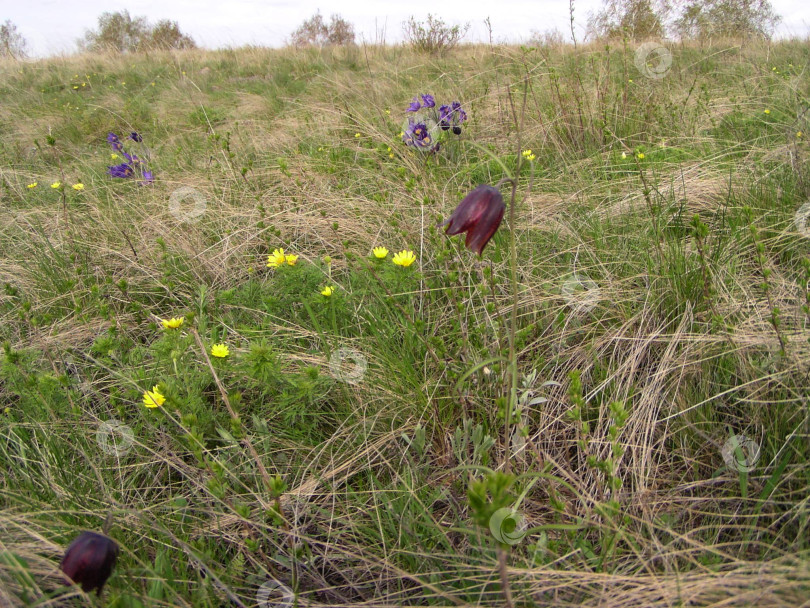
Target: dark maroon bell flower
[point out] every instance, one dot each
(89, 560)
(479, 215)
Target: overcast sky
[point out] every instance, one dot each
(52, 26)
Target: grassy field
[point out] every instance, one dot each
(646, 441)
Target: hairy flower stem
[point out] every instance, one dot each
(507, 591)
(513, 368)
(512, 377)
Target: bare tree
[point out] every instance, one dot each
(125, 34)
(700, 19)
(316, 32)
(166, 35)
(633, 19)
(433, 36)
(116, 32)
(12, 43)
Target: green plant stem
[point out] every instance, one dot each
(507, 592)
(245, 440)
(513, 371)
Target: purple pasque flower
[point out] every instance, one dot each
(452, 116)
(479, 214)
(113, 140)
(133, 166)
(417, 134)
(428, 101)
(415, 105)
(123, 170)
(459, 115)
(445, 116)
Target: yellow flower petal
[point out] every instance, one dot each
(220, 350)
(153, 398)
(78, 187)
(172, 323)
(276, 259)
(34, 185)
(327, 291)
(380, 252)
(404, 258)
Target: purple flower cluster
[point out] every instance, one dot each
(423, 131)
(427, 102)
(451, 117)
(417, 134)
(133, 165)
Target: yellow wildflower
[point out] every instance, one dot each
(114, 156)
(276, 259)
(404, 258)
(380, 252)
(34, 184)
(767, 111)
(78, 187)
(172, 323)
(327, 291)
(220, 350)
(153, 398)
(56, 185)
(291, 259)
(640, 155)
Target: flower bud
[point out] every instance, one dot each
(479, 215)
(89, 560)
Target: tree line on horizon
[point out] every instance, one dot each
(617, 19)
